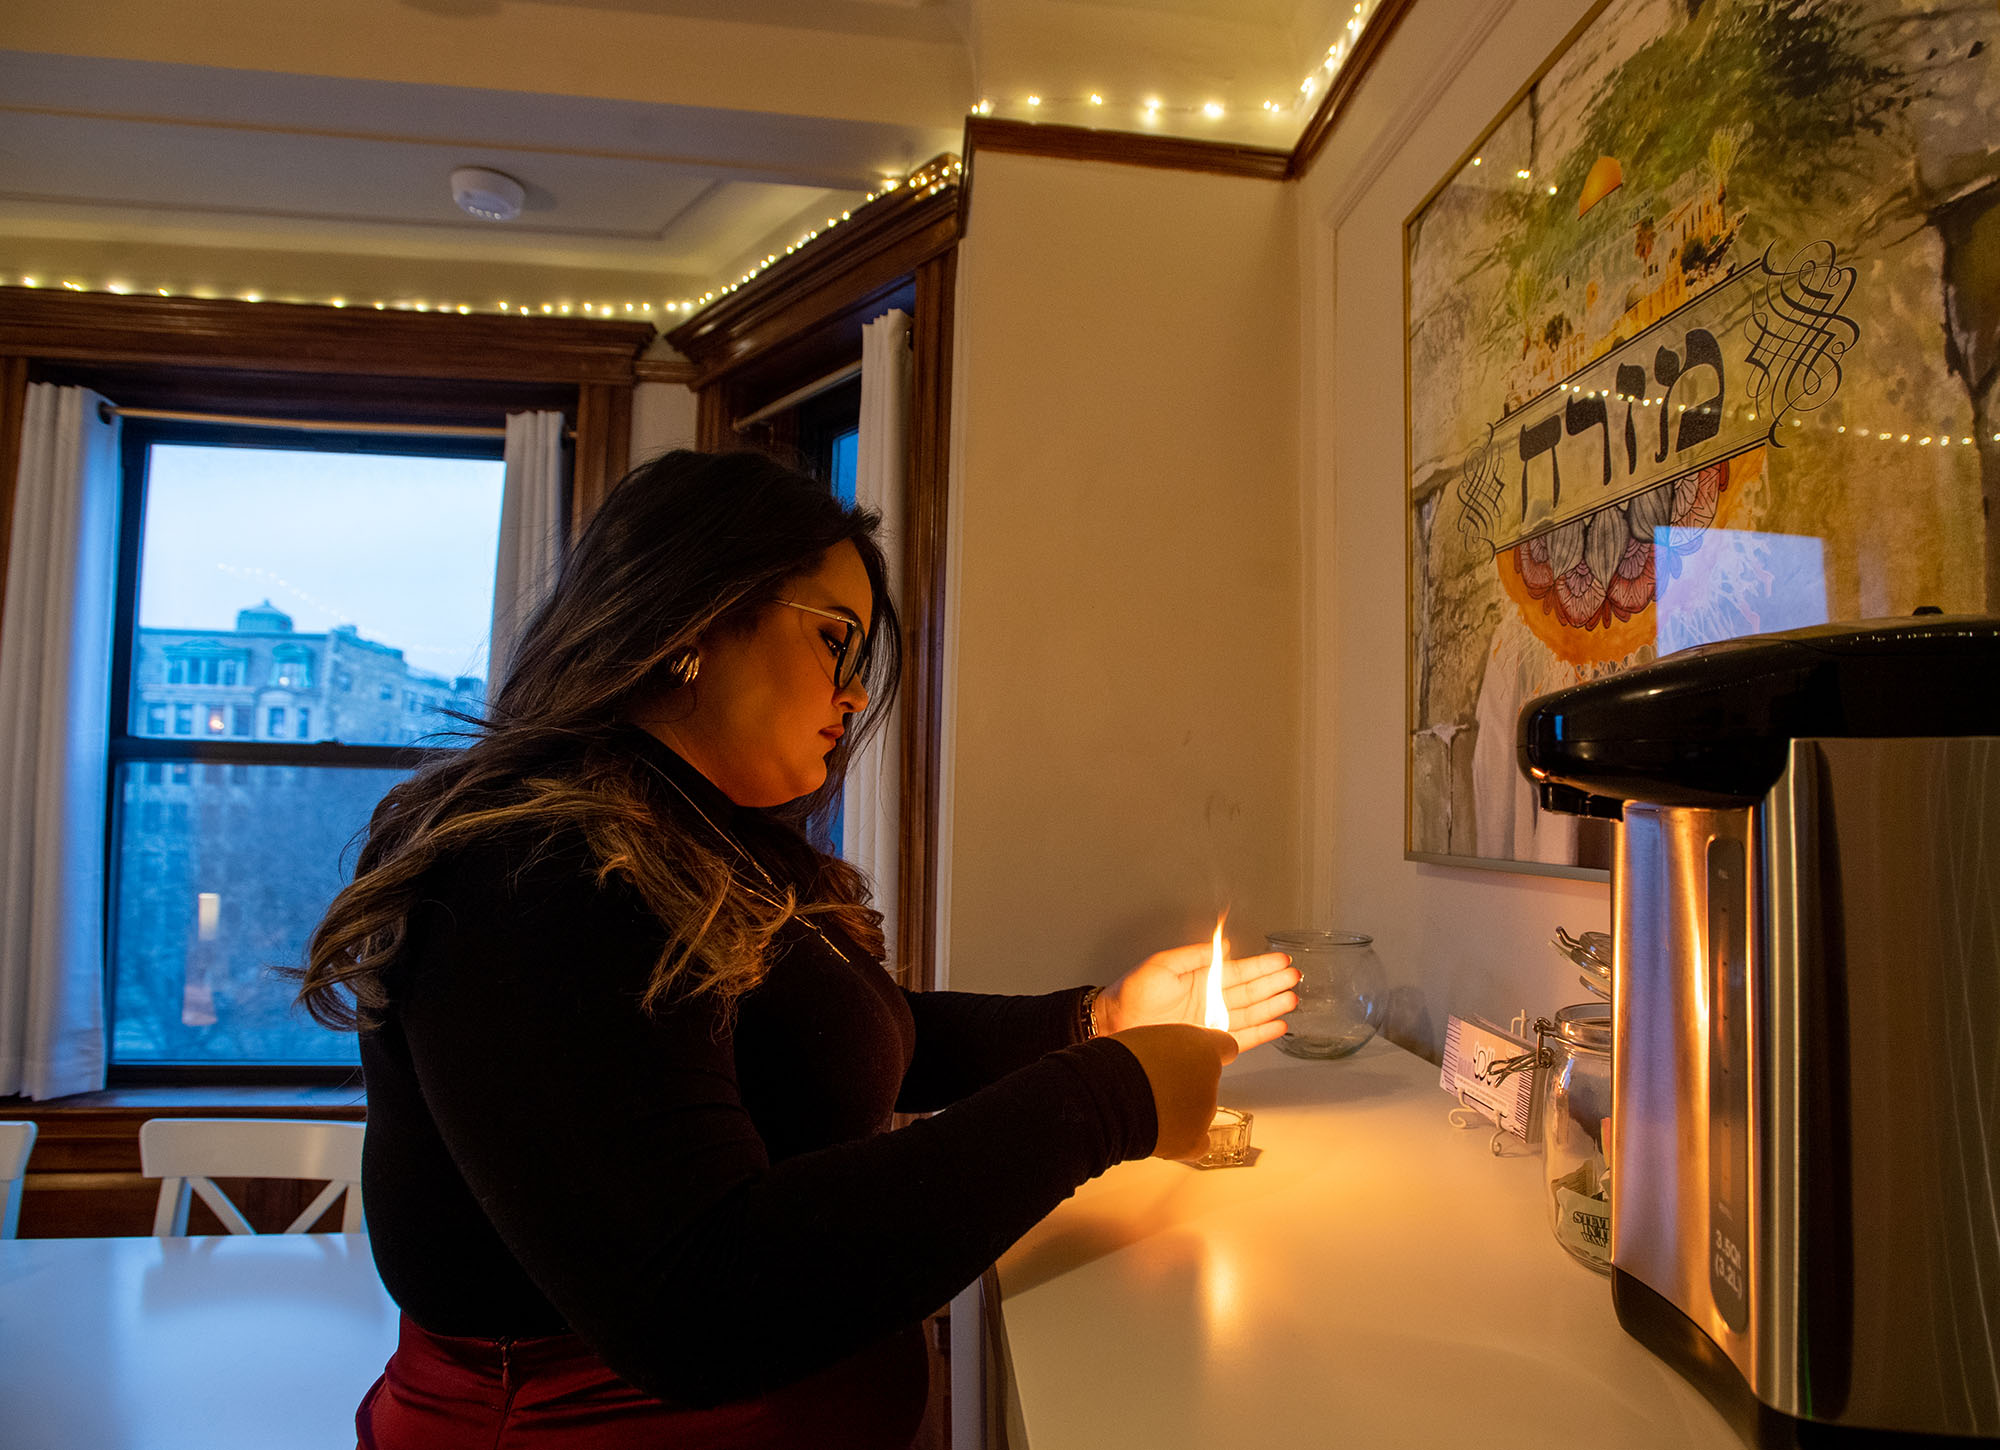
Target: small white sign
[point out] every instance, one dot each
(1472, 1052)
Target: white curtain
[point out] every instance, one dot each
(873, 808)
(530, 532)
(55, 694)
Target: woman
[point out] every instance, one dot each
(629, 1049)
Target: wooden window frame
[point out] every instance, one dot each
(334, 363)
(824, 419)
(802, 319)
(127, 748)
(279, 360)
(84, 1179)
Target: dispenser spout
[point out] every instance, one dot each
(1567, 800)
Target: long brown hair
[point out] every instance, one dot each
(684, 545)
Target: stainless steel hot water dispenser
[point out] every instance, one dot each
(1806, 1016)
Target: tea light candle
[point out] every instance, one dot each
(1228, 1140)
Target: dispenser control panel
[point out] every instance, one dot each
(1728, 1080)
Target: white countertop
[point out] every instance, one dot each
(1376, 1278)
(254, 1343)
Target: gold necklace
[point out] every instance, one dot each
(756, 865)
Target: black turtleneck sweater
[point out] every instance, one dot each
(716, 1208)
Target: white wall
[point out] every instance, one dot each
(1141, 726)
(1124, 749)
(663, 418)
(1453, 939)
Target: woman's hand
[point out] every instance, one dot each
(1172, 986)
(1183, 1065)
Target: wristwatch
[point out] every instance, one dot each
(1087, 1012)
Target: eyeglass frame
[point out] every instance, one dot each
(843, 674)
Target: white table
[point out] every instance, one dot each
(1376, 1279)
(225, 1343)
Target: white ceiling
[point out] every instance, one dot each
(666, 145)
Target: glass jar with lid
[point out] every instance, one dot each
(1576, 1129)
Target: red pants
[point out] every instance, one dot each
(439, 1393)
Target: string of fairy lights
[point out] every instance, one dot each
(1941, 439)
(927, 181)
(1337, 53)
(1151, 109)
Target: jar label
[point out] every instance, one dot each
(1583, 1225)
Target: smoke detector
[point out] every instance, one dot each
(491, 196)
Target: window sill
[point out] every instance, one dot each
(84, 1177)
(182, 1100)
(99, 1132)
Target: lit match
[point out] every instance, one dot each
(1217, 1015)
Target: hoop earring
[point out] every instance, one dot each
(683, 666)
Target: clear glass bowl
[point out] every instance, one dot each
(1342, 992)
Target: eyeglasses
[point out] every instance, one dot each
(850, 653)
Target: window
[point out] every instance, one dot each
(226, 845)
(291, 667)
(192, 658)
(844, 460)
(827, 432)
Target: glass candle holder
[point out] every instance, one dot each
(1228, 1140)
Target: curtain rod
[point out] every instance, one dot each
(107, 411)
(799, 395)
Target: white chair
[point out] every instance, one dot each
(16, 1139)
(187, 1154)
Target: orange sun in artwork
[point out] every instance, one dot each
(1587, 590)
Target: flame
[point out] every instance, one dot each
(1217, 1015)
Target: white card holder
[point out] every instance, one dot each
(1495, 1075)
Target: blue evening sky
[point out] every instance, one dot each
(401, 548)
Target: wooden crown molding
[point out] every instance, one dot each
(1368, 48)
(1081, 143)
(664, 370)
(280, 337)
(1180, 153)
(875, 251)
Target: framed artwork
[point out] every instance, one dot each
(1702, 339)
